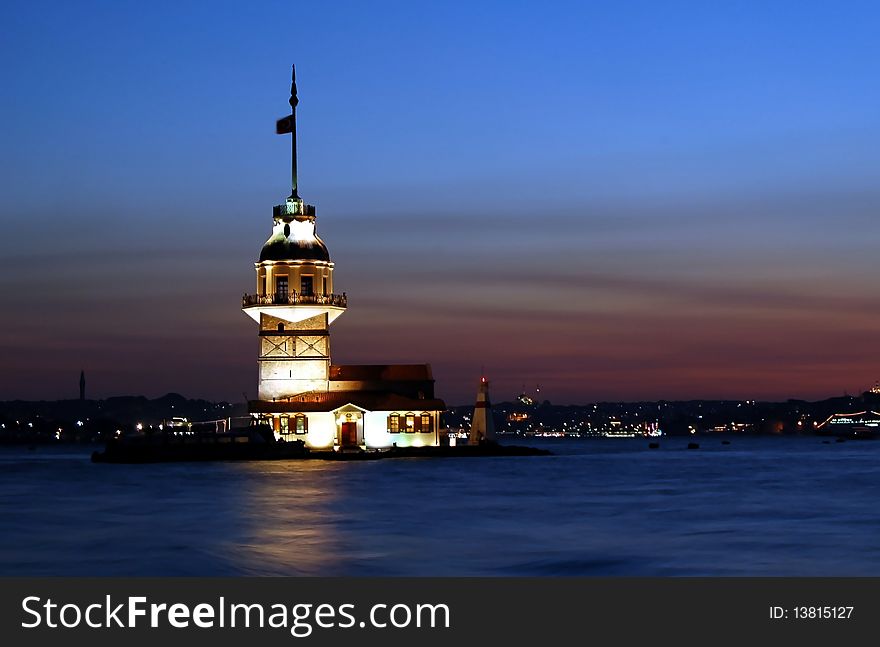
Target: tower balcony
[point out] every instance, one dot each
(294, 299)
(294, 307)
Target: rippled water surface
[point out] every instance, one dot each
(758, 506)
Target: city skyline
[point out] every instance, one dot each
(631, 203)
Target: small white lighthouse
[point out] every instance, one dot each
(482, 425)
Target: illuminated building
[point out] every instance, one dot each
(300, 392)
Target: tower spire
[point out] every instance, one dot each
(287, 125)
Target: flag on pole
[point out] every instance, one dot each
(284, 125)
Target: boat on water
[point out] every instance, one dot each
(861, 424)
(186, 443)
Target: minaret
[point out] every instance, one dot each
(294, 303)
(482, 424)
(82, 385)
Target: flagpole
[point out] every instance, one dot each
(293, 101)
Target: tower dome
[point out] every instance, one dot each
(293, 235)
(294, 276)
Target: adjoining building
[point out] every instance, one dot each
(301, 394)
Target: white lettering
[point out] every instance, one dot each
(345, 614)
(433, 608)
(408, 615)
(77, 615)
(373, 616)
(154, 613)
(300, 629)
(93, 625)
(203, 616)
(24, 606)
(48, 607)
(247, 618)
(134, 611)
(278, 619)
(178, 615)
(325, 611)
(112, 615)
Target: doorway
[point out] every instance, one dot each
(349, 434)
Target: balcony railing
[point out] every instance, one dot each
(294, 299)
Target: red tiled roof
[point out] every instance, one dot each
(389, 372)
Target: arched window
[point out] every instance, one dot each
(410, 422)
(394, 423)
(427, 427)
(281, 327)
(285, 425)
(302, 424)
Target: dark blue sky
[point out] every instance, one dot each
(617, 200)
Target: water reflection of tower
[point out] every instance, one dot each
(286, 519)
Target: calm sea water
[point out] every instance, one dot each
(759, 506)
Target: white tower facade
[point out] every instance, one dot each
(294, 303)
(482, 423)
